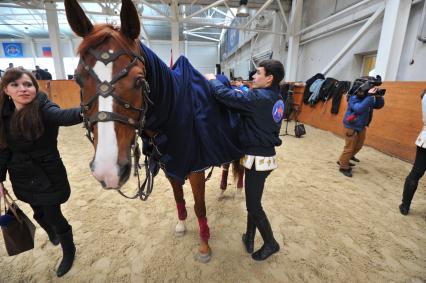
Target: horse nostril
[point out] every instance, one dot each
(124, 170)
(103, 184)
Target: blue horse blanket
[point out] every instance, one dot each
(194, 130)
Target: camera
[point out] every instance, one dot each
(362, 86)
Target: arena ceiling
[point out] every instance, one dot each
(203, 20)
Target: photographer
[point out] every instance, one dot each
(365, 97)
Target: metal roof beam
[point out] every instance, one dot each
(217, 3)
(258, 12)
(155, 9)
(201, 36)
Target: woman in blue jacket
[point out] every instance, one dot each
(357, 117)
(261, 111)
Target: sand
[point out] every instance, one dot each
(331, 228)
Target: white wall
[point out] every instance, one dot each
(30, 60)
(202, 55)
(240, 60)
(413, 49)
(315, 55)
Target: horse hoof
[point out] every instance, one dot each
(221, 195)
(203, 258)
(180, 228)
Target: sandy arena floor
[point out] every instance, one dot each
(331, 228)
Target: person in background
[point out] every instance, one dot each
(261, 111)
(419, 166)
(358, 117)
(29, 153)
(240, 86)
(48, 75)
(10, 66)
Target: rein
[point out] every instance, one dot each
(105, 89)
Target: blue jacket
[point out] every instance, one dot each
(260, 110)
(361, 109)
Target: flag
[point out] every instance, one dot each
(171, 58)
(12, 49)
(47, 51)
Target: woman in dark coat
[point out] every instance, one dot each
(29, 153)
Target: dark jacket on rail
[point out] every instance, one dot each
(35, 168)
(258, 132)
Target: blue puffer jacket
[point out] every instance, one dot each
(361, 110)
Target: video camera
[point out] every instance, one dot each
(362, 86)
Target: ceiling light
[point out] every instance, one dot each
(243, 11)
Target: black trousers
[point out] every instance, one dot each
(254, 184)
(419, 166)
(52, 215)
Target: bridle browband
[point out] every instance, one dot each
(105, 89)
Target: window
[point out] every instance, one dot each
(368, 64)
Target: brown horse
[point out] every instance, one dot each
(111, 74)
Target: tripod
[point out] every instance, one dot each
(294, 109)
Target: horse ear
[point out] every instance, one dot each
(77, 19)
(130, 25)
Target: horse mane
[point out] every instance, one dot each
(103, 32)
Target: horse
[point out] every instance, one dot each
(127, 91)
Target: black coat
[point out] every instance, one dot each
(35, 168)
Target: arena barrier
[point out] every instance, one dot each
(393, 131)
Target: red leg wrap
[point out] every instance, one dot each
(181, 210)
(204, 229)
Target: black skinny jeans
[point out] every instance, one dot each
(254, 184)
(52, 215)
(419, 166)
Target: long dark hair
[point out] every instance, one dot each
(26, 122)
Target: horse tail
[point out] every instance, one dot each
(236, 167)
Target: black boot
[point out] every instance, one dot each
(68, 249)
(248, 237)
(410, 188)
(54, 239)
(270, 245)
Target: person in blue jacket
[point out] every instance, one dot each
(358, 116)
(240, 86)
(261, 110)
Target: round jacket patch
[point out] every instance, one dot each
(278, 111)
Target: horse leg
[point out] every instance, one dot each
(197, 181)
(180, 204)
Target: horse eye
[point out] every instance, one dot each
(139, 82)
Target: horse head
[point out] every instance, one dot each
(111, 75)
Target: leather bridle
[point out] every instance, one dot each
(106, 89)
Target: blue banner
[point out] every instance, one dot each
(231, 43)
(13, 49)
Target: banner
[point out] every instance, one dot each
(47, 51)
(13, 49)
(232, 39)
